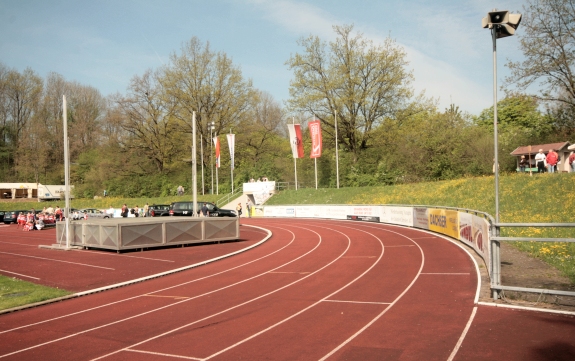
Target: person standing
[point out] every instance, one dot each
(146, 210)
(239, 209)
(205, 210)
(136, 211)
(249, 208)
(572, 162)
(551, 160)
(522, 164)
(540, 161)
(124, 212)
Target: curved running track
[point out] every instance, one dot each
(315, 290)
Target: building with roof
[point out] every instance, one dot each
(529, 151)
(32, 190)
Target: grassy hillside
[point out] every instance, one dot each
(546, 198)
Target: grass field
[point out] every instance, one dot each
(546, 198)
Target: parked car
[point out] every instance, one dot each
(185, 209)
(12, 216)
(91, 213)
(159, 210)
(2, 215)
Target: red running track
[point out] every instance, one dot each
(316, 290)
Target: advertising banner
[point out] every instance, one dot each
(295, 138)
(315, 133)
(397, 215)
(420, 218)
(217, 147)
(231, 144)
(444, 221)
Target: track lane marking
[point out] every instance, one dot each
(463, 334)
(57, 260)
(135, 297)
(390, 305)
(172, 297)
(19, 274)
(120, 255)
(170, 305)
(238, 305)
(360, 302)
(314, 304)
(164, 354)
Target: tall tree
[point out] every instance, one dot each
(363, 82)
(547, 39)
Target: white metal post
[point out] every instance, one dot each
(202, 158)
(66, 174)
(194, 171)
(496, 158)
(336, 151)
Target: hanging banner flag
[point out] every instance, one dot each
(315, 133)
(217, 146)
(231, 142)
(295, 140)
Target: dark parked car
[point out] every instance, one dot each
(12, 216)
(184, 209)
(159, 210)
(2, 215)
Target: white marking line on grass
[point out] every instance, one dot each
(462, 337)
(164, 354)
(360, 302)
(19, 274)
(57, 260)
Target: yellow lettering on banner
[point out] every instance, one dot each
(444, 221)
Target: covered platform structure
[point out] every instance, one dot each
(147, 232)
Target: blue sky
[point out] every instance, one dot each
(105, 43)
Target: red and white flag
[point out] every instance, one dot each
(315, 133)
(217, 146)
(296, 140)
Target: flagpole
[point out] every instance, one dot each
(315, 160)
(194, 171)
(294, 160)
(336, 151)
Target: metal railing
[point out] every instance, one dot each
(228, 197)
(496, 240)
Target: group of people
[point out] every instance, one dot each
(33, 221)
(249, 207)
(136, 211)
(546, 162)
(262, 179)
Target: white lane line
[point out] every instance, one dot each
(462, 337)
(142, 295)
(299, 273)
(387, 308)
(121, 255)
(164, 354)
(170, 305)
(21, 244)
(451, 274)
(19, 274)
(172, 297)
(360, 302)
(57, 260)
(241, 304)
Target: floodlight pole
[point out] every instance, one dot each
(336, 151)
(66, 175)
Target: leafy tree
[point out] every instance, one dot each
(547, 39)
(362, 82)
